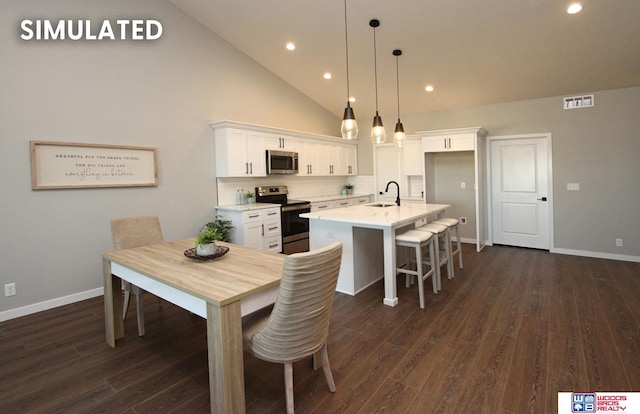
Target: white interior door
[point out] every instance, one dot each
(520, 191)
(388, 167)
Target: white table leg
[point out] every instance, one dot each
(390, 292)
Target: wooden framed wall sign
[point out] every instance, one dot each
(57, 165)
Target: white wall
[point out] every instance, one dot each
(597, 147)
(159, 94)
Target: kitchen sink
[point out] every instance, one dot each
(381, 204)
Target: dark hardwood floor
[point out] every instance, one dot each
(504, 336)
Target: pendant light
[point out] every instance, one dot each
(378, 134)
(399, 136)
(349, 128)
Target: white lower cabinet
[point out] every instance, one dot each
(339, 203)
(259, 228)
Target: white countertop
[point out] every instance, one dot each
(247, 207)
(367, 215)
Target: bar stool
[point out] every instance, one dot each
(442, 248)
(418, 240)
(453, 225)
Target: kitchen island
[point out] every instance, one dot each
(367, 233)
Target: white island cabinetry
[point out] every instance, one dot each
(256, 225)
(367, 234)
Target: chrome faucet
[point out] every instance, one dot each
(386, 190)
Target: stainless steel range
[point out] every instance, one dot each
(295, 229)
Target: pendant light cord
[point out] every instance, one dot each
(346, 48)
(375, 66)
(398, 85)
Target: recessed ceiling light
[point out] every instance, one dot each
(429, 88)
(327, 75)
(291, 46)
(574, 8)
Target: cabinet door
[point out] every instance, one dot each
(413, 157)
(337, 159)
(434, 144)
(280, 142)
(310, 159)
(231, 153)
(239, 153)
(256, 155)
(326, 153)
(352, 160)
(455, 142)
(461, 142)
(253, 234)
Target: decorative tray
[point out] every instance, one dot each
(220, 251)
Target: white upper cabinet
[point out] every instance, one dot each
(352, 160)
(240, 153)
(449, 142)
(280, 142)
(413, 156)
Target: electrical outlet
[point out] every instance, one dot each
(619, 242)
(463, 185)
(463, 220)
(573, 186)
(9, 289)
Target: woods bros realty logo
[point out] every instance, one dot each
(134, 29)
(598, 402)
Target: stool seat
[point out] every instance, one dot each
(442, 253)
(453, 225)
(449, 222)
(417, 241)
(413, 236)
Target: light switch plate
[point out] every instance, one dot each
(573, 186)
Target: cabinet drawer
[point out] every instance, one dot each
(361, 200)
(273, 244)
(272, 228)
(344, 203)
(321, 206)
(260, 215)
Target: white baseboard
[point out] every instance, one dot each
(50, 304)
(597, 255)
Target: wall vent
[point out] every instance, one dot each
(574, 102)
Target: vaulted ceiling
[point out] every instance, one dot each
(474, 52)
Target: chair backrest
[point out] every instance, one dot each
(299, 323)
(129, 232)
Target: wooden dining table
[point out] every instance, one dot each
(221, 290)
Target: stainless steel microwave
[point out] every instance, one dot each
(282, 162)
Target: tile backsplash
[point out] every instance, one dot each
(299, 187)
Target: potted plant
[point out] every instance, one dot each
(205, 242)
(349, 188)
(223, 228)
(249, 197)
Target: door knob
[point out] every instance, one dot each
(542, 199)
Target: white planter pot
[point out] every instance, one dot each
(206, 249)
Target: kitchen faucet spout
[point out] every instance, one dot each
(386, 190)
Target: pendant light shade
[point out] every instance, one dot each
(399, 137)
(378, 134)
(349, 127)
